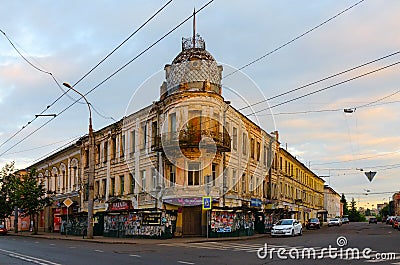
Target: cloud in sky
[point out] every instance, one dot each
(68, 38)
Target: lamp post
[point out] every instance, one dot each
(91, 166)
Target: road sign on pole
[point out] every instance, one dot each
(370, 175)
(206, 203)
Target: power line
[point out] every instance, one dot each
(294, 39)
(322, 79)
(84, 76)
(110, 76)
(370, 104)
(325, 88)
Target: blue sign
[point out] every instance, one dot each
(255, 202)
(207, 202)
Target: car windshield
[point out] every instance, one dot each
(313, 220)
(334, 219)
(1, 226)
(285, 222)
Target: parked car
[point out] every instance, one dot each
(3, 230)
(373, 220)
(390, 220)
(287, 227)
(313, 223)
(395, 223)
(335, 222)
(345, 220)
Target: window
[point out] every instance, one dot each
(172, 122)
(121, 185)
(244, 143)
(172, 176)
(114, 147)
(143, 178)
(213, 173)
(251, 188)
(96, 188)
(87, 158)
(234, 179)
(265, 156)
(112, 184)
(154, 178)
(97, 153)
(133, 142)
(193, 174)
(105, 155)
(252, 143)
(244, 183)
(280, 163)
(154, 132)
(103, 187)
(143, 136)
(234, 138)
(122, 146)
(258, 151)
(132, 183)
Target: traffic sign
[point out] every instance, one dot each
(206, 202)
(68, 202)
(370, 175)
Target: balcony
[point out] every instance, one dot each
(192, 139)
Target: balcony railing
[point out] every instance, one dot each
(192, 139)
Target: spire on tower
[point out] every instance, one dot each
(194, 28)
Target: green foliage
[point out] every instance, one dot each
(345, 206)
(7, 186)
(31, 194)
(354, 214)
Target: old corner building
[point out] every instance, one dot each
(153, 167)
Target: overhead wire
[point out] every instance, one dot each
(109, 77)
(322, 79)
(84, 76)
(294, 39)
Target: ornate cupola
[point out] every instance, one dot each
(194, 69)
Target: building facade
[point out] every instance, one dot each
(153, 168)
(332, 202)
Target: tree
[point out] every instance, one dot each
(7, 185)
(354, 214)
(31, 197)
(344, 202)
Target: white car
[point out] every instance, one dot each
(287, 227)
(335, 221)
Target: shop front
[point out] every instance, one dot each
(122, 221)
(232, 222)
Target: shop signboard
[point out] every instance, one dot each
(151, 219)
(188, 201)
(120, 206)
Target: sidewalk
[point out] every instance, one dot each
(111, 240)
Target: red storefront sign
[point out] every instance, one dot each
(120, 206)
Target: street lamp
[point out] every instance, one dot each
(91, 166)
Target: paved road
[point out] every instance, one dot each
(372, 238)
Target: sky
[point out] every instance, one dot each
(68, 38)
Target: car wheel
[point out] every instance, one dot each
(293, 232)
(301, 232)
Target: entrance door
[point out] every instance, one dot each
(191, 221)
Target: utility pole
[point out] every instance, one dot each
(91, 166)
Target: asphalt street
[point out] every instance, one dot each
(375, 243)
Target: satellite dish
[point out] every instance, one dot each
(370, 175)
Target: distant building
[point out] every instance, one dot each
(396, 204)
(332, 202)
